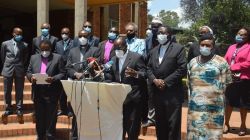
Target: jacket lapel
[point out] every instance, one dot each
(38, 64)
(168, 50)
(49, 62)
(126, 62)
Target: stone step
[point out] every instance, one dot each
(27, 87)
(1, 79)
(26, 95)
(28, 129)
(27, 117)
(30, 137)
(27, 105)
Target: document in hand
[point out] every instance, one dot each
(40, 78)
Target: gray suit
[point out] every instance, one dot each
(13, 59)
(37, 40)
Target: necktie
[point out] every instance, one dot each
(15, 48)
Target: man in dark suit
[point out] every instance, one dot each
(166, 67)
(14, 56)
(46, 95)
(106, 47)
(93, 41)
(45, 34)
(129, 68)
(80, 54)
(63, 47)
(194, 49)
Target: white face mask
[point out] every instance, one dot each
(162, 38)
(119, 53)
(205, 51)
(83, 41)
(45, 53)
(65, 37)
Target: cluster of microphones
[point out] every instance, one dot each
(92, 63)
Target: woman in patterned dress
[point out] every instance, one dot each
(208, 75)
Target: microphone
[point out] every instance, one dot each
(106, 67)
(91, 61)
(77, 63)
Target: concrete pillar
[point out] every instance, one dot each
(80, 14)
(42, 14)
(136, 16)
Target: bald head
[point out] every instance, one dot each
(45, 26)
(18, 31)
(120, 44)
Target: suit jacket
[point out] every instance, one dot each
(11, 62)
(55, 69)
(59, 49)
(37, 40)
(172, 69)
(102, 51)
(93, 41)
(75, 56)
(134, 61)
(194, 50)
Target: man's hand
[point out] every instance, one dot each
(49, 80)
(78, 75)
(129, 72)
(159, 83)
(33, 79)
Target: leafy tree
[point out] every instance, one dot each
(169, 18)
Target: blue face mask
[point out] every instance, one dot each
(205, 51)
(238, 39)
(18, 38)
(88, 29)
(112, 36)
(45, 32)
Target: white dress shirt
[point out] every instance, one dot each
(162, 52)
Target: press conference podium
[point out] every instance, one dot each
(86, 97)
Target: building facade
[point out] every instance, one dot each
(30, 14)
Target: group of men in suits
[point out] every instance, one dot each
(163, 65)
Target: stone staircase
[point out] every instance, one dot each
(15, 131)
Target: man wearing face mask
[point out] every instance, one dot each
(129, 68)
(80, 54)
(194, 49)
(93, 41)
(45, 35)
(14, 57)
(135, 44)
(151, 40)
(63, 47)
(107, 49)
(46, 95)
(166, 68)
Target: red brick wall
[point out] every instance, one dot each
(96, 23)
(142, 19)
(125, 16)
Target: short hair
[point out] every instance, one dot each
(132, 24)
(248, 32)
(209, 29)
(46, 42)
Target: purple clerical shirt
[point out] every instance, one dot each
(108, 48)
(44, 65)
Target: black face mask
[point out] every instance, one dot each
(154, 31)
(130, 36)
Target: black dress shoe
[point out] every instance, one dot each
(5, 116)
(20, 117)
